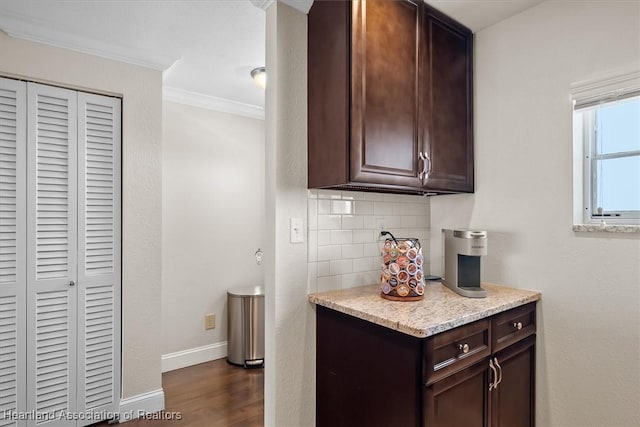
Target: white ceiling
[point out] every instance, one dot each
(206, 47)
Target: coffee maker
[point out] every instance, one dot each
(462, 252)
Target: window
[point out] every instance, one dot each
(607, 143)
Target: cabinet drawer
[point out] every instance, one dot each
(456, 349)
(512, 326)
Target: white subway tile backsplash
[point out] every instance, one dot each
(329, 194)
(362, 207)
(352, 195)
(393, 221)
(376, 197)
(340, 266)
(423, 221)
(342, 207)
(324, 237)
(323, 268)
(312, 277)
(408, 221)
(331, 252)
(329, 222)
(343, 227)
(382, 208)
(363, 264)
(364, 236)
(340, 237)
(312, 214)
(352, 222)
(329, 283)
(352, 280)
(312, 245)
(324, 206)
(371, 249)
(352, 251)
(371, 277)
(372, 221)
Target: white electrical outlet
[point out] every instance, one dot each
(380, 226)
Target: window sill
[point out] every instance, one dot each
(597, 228)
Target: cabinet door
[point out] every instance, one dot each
(459, 400)
(98, 254)
(51, 250)
(448, 104)
(13, 176)
(385, 93)
(512, 401)
(366, 374)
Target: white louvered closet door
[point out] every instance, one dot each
(98, 253)
(51, 251)
(13, 151)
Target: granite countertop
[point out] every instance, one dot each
(440, 310)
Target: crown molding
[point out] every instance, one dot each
(208, 102)
(262, 4)
(302, 5)
(22, 27)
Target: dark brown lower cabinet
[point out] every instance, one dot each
(459, 400)
(512, 402)
(369, 375)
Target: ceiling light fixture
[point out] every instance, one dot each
(259, 76)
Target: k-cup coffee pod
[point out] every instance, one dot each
(386, 288)
(420, 289)
(403, 276)
(411, 269)
(403, 261)
(394, 268)
(403, 290)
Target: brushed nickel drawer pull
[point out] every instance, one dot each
(464, 348)
(517, 325)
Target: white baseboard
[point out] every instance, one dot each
(136, 406)
(194, 356)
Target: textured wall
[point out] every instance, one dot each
(290, 319)
(141, 89)
(212, 218)
(588, 350)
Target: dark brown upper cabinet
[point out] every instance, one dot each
(390, 98)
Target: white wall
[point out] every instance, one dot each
(141, 91)
(588, 371)
(290, 319)
(212, 219)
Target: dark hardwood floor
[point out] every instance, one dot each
(212, 394)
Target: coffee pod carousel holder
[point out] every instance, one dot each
(402, 278)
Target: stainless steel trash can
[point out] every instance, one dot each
(245, 339)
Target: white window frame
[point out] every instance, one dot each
(586, 97)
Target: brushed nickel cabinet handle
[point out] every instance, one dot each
(495, 361)
(423, 173)
(492, 383)
(428, 159)
(464, 348)
(517, 325)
